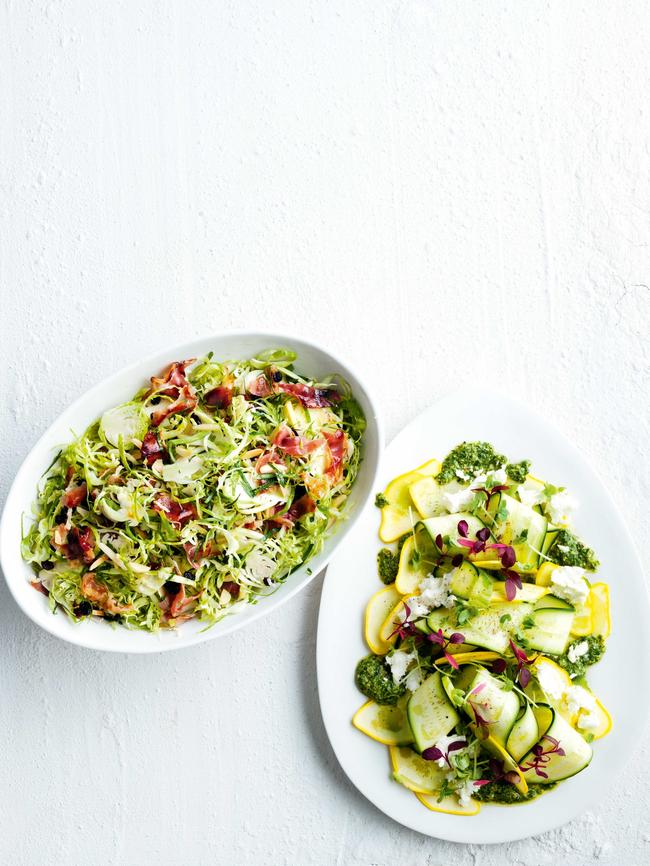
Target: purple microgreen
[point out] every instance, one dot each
(439, 541)
(542, 756)
(432, 754)
(457, 560)
(437, 637)
(457, 637)
(463, 528)
(483, 534)
(477, 689)
(524, 677)
(499, 666)
(478, 783)
(452, 661)
(513, 583)
(456, 745)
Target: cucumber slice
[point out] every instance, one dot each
(549, 601)
(524, 733)
(556, 767)
(544, 715)
(485, 629)
(551, 631)
(497, 706)
(463, 579)
(386, 724)
(523, 528)
(426, 495)
(430, 713)
(446, 526)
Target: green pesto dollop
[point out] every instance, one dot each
(387, 565)
(517, 472)
(375, 681)
(594, 654)
(388, 562)
(569, 550)
(470, 459)
(502, 792)
(380, 500)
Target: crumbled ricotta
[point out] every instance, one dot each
(530, 493)
(568, 582)
(398, 662)
(465, 791)
(577, 698)
(434, 592)
(577, 651)
(551, 681)
(413, 679)
(561, 507)
(456, 498)
(499, 476)
(443, 744)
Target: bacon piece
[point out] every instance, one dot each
(176, 512)
(173, 384)
(232, 587)
(299, 507)
(151, 449)
(260, 386)
(312, 398)
(173, 381)
(178, 602)
(220, 397)
(75, 543)
(269, 457)
(185, 402)
(337, 444)
(75, 496)
(99, 595)
(296, 446)
(195, 553)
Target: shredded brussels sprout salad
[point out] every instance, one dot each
(197, 497)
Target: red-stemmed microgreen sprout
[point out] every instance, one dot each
(542, 756)
(454, 639)
(433, 753)
(513, 583)
(523, 662)
(482, 724)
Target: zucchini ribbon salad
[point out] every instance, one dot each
(198, 496)
(482, 637)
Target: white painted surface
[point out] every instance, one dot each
(448, 194)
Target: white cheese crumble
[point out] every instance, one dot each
(413, 679)
(577, 651)
(568, 582)
(576, 698)
(561, 507)
(443, 744)
(530, 493)
(499, 476)
(433, 592)
(398, 663)
(465, 791)
(551, 681)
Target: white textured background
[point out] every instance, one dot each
(452, 194)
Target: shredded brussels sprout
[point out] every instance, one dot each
(198, 496)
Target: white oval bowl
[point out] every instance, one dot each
(313, 361)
